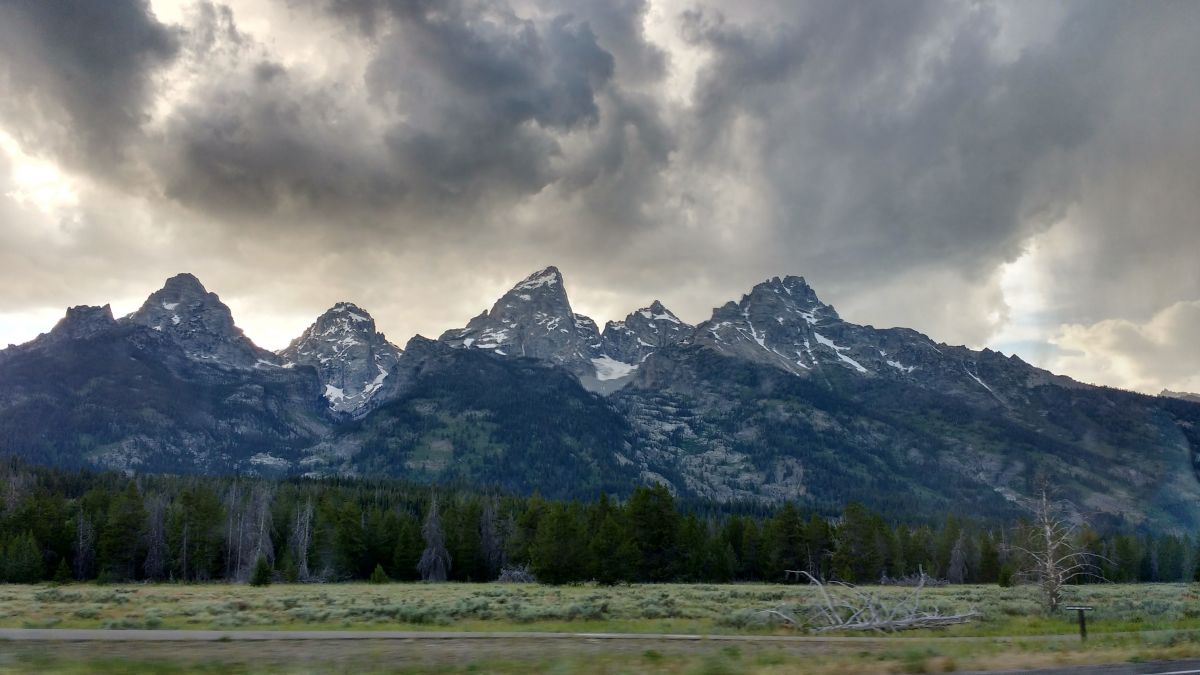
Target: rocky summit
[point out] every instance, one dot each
(200, 323)
(627, 343)
(534, 319)
(352, 359)
(773, 398)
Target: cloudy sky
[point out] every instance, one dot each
(1022, 175)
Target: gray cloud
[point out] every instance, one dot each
(77, 75)
(897, 154)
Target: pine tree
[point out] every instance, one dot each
(121, 540)
(23, 560)
(612, 554)
(350, 545)
(262, 572)
(786, 540)
(555, 555)
(408, 549)
(989, 559)
(654, 527)
(378, 576)
(62, 573)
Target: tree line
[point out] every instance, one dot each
(63, 525)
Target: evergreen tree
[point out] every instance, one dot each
(613, 555)
(654, 528)
(23, 560)
(62, 573)
(409, 547)
(989, 559)
(194, 533)
(858, 557)
(378, 576)
(556, 555)
(350, 544)
(785, 534)
(262, 572)
(121, 540)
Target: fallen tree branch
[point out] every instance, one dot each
(854, 609)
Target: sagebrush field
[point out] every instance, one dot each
(669, 608)
(1131, 622)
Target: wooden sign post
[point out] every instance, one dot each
(1082, 620)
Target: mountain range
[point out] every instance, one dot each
(775, 397)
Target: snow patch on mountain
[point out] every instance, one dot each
(608, 368)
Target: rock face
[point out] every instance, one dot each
(626, 344)
(84, 321)
(352, 359)
(200, 323)
(774, 398)
(534, 319)
(148, 398)
(782, 323)
(1181, 395)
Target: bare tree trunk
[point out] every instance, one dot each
(263, 548)
(1055, 559)
(491, 539)
(301, 538)
(435, 560)
(156, 537)
(183, 552)
(85, 546)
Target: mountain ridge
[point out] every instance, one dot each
(775, 397)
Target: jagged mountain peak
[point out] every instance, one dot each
(656, 312)
(548, 277)
(352, 359)
(203, 325)
(83, 321)
(629, 342)
(790, 290)
(347, 317)
(184, 283)
(534, 319)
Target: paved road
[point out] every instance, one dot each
(1189, 667)
(467, 645)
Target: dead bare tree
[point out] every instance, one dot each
(155, 566)
(1054, 558)
(301, 538)
(435, 560)
(491, 538)
(85, 546)
(260, 534)
(849, 608)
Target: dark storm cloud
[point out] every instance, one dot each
(483, 92)
(889, 131)
(896, 153)
(80, 73)
(257, 138)
(462, 105)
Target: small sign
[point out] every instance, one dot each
(1082, 621)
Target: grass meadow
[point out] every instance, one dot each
(1131, 622)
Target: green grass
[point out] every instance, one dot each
(669, 608)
